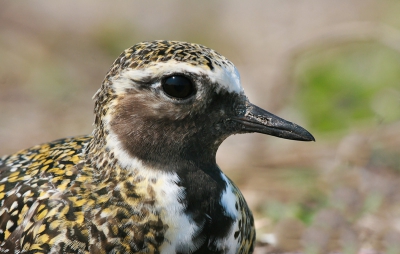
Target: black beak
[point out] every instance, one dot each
(259, 120)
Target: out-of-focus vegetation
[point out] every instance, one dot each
(358, 84)
(330, 66)
(352, 93)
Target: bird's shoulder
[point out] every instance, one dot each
(53, 201)
(32, 191)
(46, 160)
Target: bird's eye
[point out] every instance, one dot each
(178, 86)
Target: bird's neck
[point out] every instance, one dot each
(200, 191)
(107, 154)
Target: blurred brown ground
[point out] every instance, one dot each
(338, 194)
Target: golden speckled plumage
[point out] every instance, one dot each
(146, 180)
(48, 188)
(61, 204)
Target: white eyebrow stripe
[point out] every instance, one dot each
(226, 77)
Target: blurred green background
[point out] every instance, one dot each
(330, 66)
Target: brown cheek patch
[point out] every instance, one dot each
(139, 119)
(143, 105)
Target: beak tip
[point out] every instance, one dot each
(307, 137)
(304, 134)
(310, 137)
(258, 120)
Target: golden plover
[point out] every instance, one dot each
(146, 180)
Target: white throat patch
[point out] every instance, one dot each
(167, 193)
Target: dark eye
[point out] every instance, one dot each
(178, 86)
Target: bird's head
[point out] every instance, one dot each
(165, 101)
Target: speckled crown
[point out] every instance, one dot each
(144, 54)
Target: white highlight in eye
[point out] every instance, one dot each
(227, 77)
